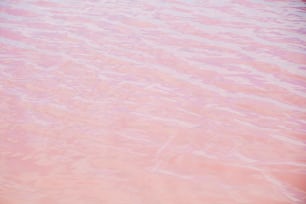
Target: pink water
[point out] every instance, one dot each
(152, 102)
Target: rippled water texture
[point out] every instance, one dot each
(152, 102)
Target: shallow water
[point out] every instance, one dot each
(169, 102)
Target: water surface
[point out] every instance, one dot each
(169, 102)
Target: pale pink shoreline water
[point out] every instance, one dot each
(145, 102)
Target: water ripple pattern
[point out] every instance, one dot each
(146, 102)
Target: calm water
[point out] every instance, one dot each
(152, 102)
